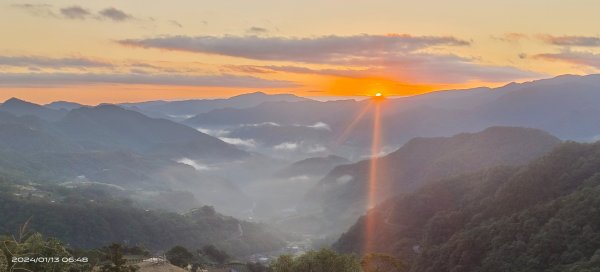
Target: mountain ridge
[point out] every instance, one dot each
(342, 193)
(536, 217)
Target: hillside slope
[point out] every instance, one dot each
(112, 127)
(538, 217)
(341, 196)
(88, 223)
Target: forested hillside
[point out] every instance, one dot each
(539, 217)
(341, 195)
(92, 220)
(98, 175)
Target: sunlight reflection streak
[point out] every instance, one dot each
(352, 124)
(373, 178)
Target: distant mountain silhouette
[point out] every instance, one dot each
(64, 105)
(194, 107)
(565, 106)
(303, 112)
(20, 107)
(112, 127)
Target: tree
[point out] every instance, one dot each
(34, 245)
(256, 267)
(324, 260)
(117, 263)
(3, 262)
(284, 263)
(376, 262)
(179, 256)
(214, 253)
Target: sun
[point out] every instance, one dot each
(378, 97)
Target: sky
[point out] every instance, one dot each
(138, 50)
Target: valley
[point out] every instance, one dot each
(261, 176)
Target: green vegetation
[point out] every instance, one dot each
(116, 262)
(179, 256)
(257, 267)
(539, 217)
(377, 262)
(30, 251)
(112, 258)
(85, 224)
(208, 255)
(341, 197)
(90, 188)
(214, 254)
(3, 262)
(324, 260)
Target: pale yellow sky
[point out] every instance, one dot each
(100, 51)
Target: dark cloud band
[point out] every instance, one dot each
(579, 58)
(65, 79)
(75, 12)
(583, 41)
(323, 49)
(115, 14)
(45, 62)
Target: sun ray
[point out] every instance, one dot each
(373, 178)
(344, 135)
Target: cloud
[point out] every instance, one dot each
(316, 149)
(344, 179)
(175, 23)
(65, 79)
(583, 41)
(450, 69)
(263, 124)
(222, 135)
(115, 14)
(75, 12)
(323, 49)
(580, 58)
(78, 13)
(299, 178)
(398, 57)
(38, 61)
(287, 146)
(248, 69)
(512, 37)
(320, 125)
(416, 67)
(195, 164)
(257, 30)
(305, 70)
(301, 147)
(41, 10)
(213, 132)
(248, 143)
